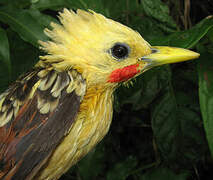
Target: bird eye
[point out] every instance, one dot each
(120, 51)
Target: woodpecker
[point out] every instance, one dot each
(54, 114)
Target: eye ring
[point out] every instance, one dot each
(120, 51)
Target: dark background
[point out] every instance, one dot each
(161, 124)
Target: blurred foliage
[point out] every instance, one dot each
(162, 126)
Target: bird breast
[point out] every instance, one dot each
(91, 125)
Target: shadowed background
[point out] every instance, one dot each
(163, 124)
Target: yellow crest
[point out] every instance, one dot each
(83, 40)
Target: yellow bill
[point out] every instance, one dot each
(166, 55)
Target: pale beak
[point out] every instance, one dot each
(166, 55)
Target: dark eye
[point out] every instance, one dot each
(120, 51)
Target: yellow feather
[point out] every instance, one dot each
(83, 40)
(90, 127)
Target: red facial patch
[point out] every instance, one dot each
(123, 74)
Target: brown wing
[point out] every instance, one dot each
(35, 114)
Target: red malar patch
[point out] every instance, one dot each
(123, 74)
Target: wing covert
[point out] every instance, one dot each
(36, 112)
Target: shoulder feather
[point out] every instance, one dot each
(36, 112)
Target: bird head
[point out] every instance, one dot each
(104, 51)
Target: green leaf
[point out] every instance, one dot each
(96, 5)
(147, 27)
(141, 93)
(148, 90)
(177, 129)
(18, 4)
(93, 164)
(188, 38)
(124, 9)
(5, 64)
(23, 55)
(162, 173)
(44, 20)
(159, 11)
(24, 24)
(122, 170)
(50, 4)
(4, 50)
(4, 77)
(205, 68)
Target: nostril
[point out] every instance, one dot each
(154, 50)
